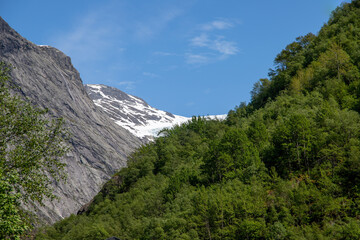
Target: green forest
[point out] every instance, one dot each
(284, 166)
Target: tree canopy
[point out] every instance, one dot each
(31, 146)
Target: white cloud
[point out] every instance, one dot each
(200, 41)
(216, 46)
(159, 53)
(108, 29)
(196, 59)
(129, 85)
(217, 25)
(151, 75)
(219, 44)
(225, 47)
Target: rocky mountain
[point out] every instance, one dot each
(133, 113)
(99, 147)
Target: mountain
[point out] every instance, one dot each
(133, 113)
(99, 147)
(284, 166)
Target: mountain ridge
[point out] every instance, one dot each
(99, 147)
(134, 113)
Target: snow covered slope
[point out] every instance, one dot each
(133, 113)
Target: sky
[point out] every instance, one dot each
(187, 57)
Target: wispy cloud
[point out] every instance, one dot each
(149, 27)
(151, 75)
(109, 30)
(200, 41)
(219, 44)
(217, 25)
(225, 47)
(128, 85)
(196, 59)
(216, 47)
(88, 40)
(159, 53)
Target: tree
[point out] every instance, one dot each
(293, 141)
(232, 156)
(10, 220)
(31, 146)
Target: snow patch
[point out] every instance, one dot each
(135, 115)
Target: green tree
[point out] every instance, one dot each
(233, 156)
(31, 147)
(293, 144)
(10, 220)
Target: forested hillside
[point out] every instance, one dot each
(284, 166)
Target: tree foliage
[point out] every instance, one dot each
(31, 146)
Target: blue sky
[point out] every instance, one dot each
(188, 57)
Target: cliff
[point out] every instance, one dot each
(99, 147)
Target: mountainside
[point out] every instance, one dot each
(98, 146)
(133, 113)
(284, 166)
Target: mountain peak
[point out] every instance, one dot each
(11, 40)
(4, 26)
(98, 147)
(133, 113)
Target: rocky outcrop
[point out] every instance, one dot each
(132, 113)
(99, 147)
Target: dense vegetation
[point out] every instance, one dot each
(285, 166)
(31, 145)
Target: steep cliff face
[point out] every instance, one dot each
(98, 146)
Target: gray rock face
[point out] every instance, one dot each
(99, 147)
